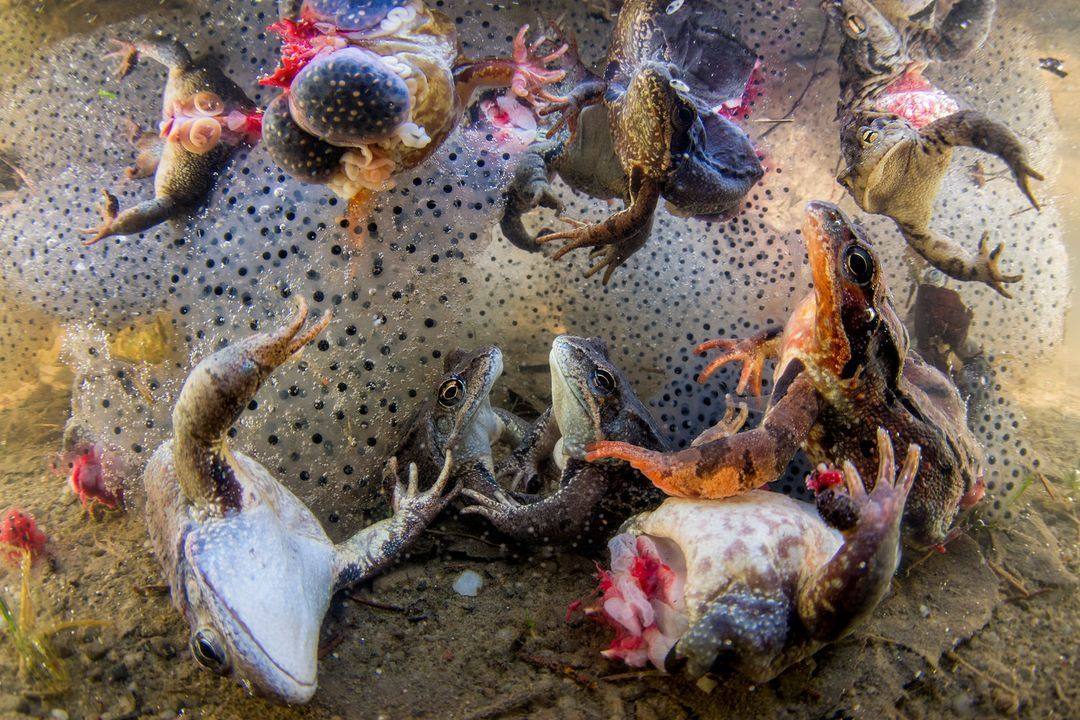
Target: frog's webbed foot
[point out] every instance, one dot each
(752, 351)
(108, 208)
(570, 107)
(962, 31)
(532, 68)
(493, 507)
(127, 56)
(854, 580)
(414, 506)
(735, 416)
(951, 259)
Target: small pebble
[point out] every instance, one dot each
(58, 714)
(468, 583)
(924, 611)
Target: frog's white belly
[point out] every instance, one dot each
(762, 539)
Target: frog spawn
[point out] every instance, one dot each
(433, 276)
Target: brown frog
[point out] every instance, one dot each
(591, 400)
(206, 117)
(898, 131)
(668, 67)
(843, 369)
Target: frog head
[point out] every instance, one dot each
(855, 324)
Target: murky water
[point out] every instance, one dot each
(97, 341)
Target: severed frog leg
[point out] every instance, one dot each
(731, 465)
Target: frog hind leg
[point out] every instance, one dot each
(730, 465)
(744, 629)
(619, 236)
(975, 129)
(949, 257)
(529, 189)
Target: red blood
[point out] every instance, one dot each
(751, 92)
(19, 531)
(823, 479)
(297, 50)
(88, 480)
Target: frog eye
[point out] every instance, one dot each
(206, 647)
(868, 136)
(687, 114)
(451, 392)
(855, 25)
(604, 381)
(859, 264)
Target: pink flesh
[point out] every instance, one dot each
(739, 108)
(88, 480)
(641, 598)
(913, 98)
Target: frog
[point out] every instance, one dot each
(592, 399)
(248, 564)
(457, 415)
(844, 367)
(206, 118)
(898, 132)
(404, 59)
(646, 129)
(754, 583)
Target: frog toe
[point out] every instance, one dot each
(349, 97)
(296, 151)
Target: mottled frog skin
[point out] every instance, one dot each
(755, 583)
(665, 73)
(373, 87)
(458, 416)
(248, 564)
(592, 400)
(843, 369)
(205, 118)
(898, 131)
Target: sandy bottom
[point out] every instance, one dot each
(988, 628)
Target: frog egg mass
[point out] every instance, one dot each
(421, 320)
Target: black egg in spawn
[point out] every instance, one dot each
(349, 97)
(297, 152)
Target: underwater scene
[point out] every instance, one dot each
(634, 359)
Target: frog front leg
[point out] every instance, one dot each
(520, 471)
(371, 550)
(752, 351)
(731, 465)
(561, 517)
(618, 237)
(851, 584)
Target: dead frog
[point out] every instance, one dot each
(248, 564)
(205, 118)
(755, 583)
(644, 130)
(898, 131)
(458, 416)
(843, 369)
(591, 400)
(403, 59)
